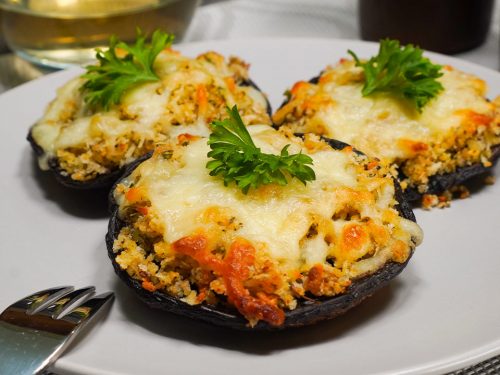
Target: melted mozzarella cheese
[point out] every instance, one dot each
(272, 217)
(383, 126)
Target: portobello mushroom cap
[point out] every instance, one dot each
(307, 312)
(440, 182)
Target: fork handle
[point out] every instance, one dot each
(25, 352)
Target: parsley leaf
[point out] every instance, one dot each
(108, 81)
(236, 158)
(402, 71)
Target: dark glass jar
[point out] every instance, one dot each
(3, 46)
(446, 26)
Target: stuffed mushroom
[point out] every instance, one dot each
(434, 123)
(104, 120)
(283, 254)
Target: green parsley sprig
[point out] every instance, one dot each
(402, 71)
(237, 159)
(113, 76)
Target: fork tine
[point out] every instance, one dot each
(62, 305)
(37, 301)
(31, 342)
(88, 309)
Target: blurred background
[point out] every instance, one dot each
(48, 34)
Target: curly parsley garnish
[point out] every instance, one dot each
(236, 158)
(108, 81)
(402, 71)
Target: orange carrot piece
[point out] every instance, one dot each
(142, 210)
(133, 194)
(231, 85)
(148, 285)
(202, 99)
(298, 87)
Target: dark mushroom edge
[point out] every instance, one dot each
(307, 312)
(438, 183)
(103, 181)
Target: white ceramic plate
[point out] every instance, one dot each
(441, 314)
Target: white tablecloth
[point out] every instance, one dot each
(233, 19)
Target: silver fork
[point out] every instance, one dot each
(35, 330)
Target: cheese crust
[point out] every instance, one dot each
(189, 95)
(458, 128)
(188, 235)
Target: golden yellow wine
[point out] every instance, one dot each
(64, 32)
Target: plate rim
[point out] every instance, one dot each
(266, 40)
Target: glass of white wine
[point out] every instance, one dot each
(60, 33)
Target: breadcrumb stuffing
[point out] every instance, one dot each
(443, 200)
